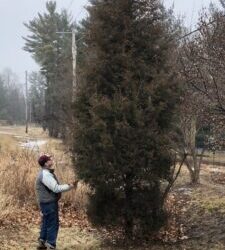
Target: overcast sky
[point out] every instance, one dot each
(14, 13)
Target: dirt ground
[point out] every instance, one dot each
(69, 238)
(201, 212)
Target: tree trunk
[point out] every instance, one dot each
(128, 218)
(195, 164)
(195, 177)
(128, 226)
(194, 170)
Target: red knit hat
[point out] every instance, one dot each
(43, 159)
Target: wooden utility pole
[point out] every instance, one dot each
(26, 102)
(30, 107)
(8, 79)
(74, 54)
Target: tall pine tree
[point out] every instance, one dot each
(53, 53)
(124, 111)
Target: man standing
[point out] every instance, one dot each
(48, 191)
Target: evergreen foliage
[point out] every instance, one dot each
(124, 111)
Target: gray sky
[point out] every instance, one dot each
(14, 13)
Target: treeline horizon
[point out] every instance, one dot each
(12, 98)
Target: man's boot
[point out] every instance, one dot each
(41, 245)
(49, 246)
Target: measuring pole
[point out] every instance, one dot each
(26, 102)
(74, 55)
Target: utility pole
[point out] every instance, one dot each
(74, 60)
(26, 102)
(74, 54)
(30, 107)
(8, 79)
(74, 65)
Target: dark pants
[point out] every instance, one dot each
(50, 222)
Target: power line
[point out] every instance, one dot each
(198, 29)
(180, 38)
(79, 13)
(70, 4)
(192, 15)
(193, 31)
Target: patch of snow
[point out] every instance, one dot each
(33, 144)
(6, 133)
(19, 136)
(217, 170)
(185, 190)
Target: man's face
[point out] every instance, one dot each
(49, 163)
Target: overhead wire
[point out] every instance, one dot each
(80, 12)
(70, 5)
(192, 15)
(198, 29)
(179, 38)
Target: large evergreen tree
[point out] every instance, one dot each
(124, 109)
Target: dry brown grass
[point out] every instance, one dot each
(18, 171)
(33, 131)
(7, 143)
(19, 168)
(17, 175)
(7, 206)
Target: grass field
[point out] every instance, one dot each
(18, 170)
(19, 164)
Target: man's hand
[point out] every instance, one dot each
(74, 184)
